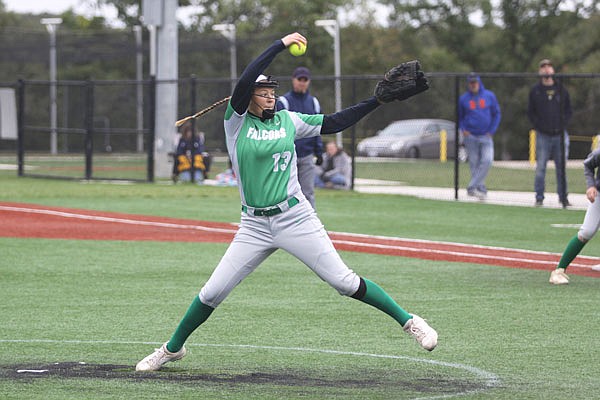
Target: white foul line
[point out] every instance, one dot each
(117, 220)
(454, 253)
(356, 235)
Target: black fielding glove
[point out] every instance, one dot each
(401, 82)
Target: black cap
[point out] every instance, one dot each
(265, 81)
(301, 72)
(473, 77)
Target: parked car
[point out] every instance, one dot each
(411, 138)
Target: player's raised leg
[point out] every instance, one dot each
(309, 242)
(371, 293)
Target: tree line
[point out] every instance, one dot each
(449, 36)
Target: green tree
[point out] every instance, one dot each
(450, 22)
(128, 11)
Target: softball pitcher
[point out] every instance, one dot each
(275, 213)
(591, 221)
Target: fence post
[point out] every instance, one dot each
(353, 142)
(563, 146)
(152, 125)
(456, 137)
(20, 126)
(532, 147)
(192, 112)
(89, 129)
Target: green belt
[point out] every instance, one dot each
(270, 211)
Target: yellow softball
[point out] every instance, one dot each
(297, 50)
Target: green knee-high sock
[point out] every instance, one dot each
(196, 314)
(378, 298)
(572, 250)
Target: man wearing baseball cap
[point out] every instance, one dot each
(478, 119)
(300, 100)
(549, 111)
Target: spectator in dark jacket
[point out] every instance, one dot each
(189, 157)
(549, 111)
(300, 100)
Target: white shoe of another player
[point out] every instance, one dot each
(422, 332)
(558, 277)
(160, 357)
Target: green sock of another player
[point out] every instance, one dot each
(572, 250)
(378, 298)
(196, 314)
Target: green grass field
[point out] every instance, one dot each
(432, 173)
(283, 334)
(421, 172)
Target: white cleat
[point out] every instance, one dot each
(161, 356)
(422, 332)
(558, 277)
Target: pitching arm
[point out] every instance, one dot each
(243, 89)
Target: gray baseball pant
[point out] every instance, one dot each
(297, 231)
(306, 178)
(591, 221)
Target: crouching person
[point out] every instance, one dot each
(335, 172)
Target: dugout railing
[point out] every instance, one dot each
(100, 135)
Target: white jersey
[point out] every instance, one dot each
(263, 154)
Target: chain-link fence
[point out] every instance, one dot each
(111, 122)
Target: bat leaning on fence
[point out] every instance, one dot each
(203, 111)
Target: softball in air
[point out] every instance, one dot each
(297, 50)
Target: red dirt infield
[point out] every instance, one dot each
(19, 220)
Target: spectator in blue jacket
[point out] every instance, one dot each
(300, 100)
(478, 119)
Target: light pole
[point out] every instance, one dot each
(139, 75)
(51, 26)
(228, 30)
(333, 28)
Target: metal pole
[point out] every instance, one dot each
(89, 129)
(353, 142)
(456, 136)
(563, 147)
(233, 60)
(229, 32)
(51, 26)
(192, 111)
(139, 88)
(338, 82)
(152, 32)
(53, 134)
(21, 126)
(333, 28)
(152, 121)
(166, 89)
(65, 118)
